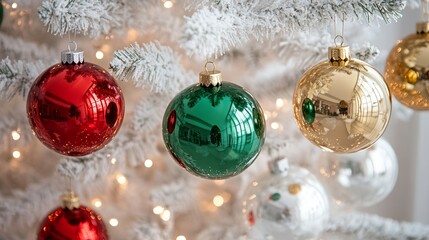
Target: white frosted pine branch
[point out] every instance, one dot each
(151, 230)
(148, 113)
(366, 226)
(151, 65)
(90, 17)
(17, 77)
(24, 208)
(365, 52)
(177, 196)
(214, 29)
(17, 48)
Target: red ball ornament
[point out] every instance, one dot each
(73, 223)
(75, 108)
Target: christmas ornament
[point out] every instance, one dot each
(72, 221)
(1, 12)
(407, 69)
(214, 129)
(343, 104)
(289, 202)
(360, 179)
(75, 107)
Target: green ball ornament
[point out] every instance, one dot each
(214, 129)
(1, 12)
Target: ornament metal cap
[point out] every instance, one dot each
(72, 57)
(70, 200)
(339, 55)
(210, 77)
(422, 27)
(279, 166)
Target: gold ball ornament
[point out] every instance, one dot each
(407, 69)
(343, 104)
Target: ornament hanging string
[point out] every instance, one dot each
(72, 42)
(68, 183)
(425, 10)
(339, 37)
(206, 66)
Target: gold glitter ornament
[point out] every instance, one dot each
(407, 69)
(342, 104)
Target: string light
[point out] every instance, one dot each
(158, 210)
(218, 200)
(15, 135)
(168, 4)
(181, 237)
(97, 202)
(113, 161)
(99, 55)
(14, 5)
(219, 182)
(114, 222)
(121, 179)
(274, 125)
(16, 154)
(165, 215)
(148, 163)
(279, 102)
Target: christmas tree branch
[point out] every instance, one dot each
(17, 77)
(90, 17)
(366, 226)
(16, 48)
(214, 29)
(153, 65)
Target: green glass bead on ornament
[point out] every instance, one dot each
(308, 111)
(214, 131)
(275, 196)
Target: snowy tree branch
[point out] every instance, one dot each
(17, 77)
(214, 29)
(153, 65)
(366, 226)
(92, 17)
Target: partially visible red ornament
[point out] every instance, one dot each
(76, 107)
(72, 222)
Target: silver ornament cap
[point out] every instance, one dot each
(72, 57)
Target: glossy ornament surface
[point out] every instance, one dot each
(76, 224)
(344, 107)
(407, 71)
(214, 132)
(360, 179)
(1, 12)
(75, 109)
(285, 206)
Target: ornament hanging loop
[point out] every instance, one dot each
(72, 42)
(339, 41)
(206, 67)
(72, 55)
(339, 36)
(340, 54)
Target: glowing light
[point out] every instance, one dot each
(16, 154)
(181, 237)
(121, 179)
(99, 55)
(219, 182)
(168, 4)
(97, 202)
(114, 222)
(255, 183)
(275, 125)
(218, 200)
(113, 161)
(158, 210)
(15, 135)
(165, 215)
(148, 163)
(132, 34)
(14, 5)
(279, 102)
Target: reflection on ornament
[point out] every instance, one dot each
(342, 107)
(360, 179)
(75, 108)
(291, 203)
(407, 69)
(215, 130)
